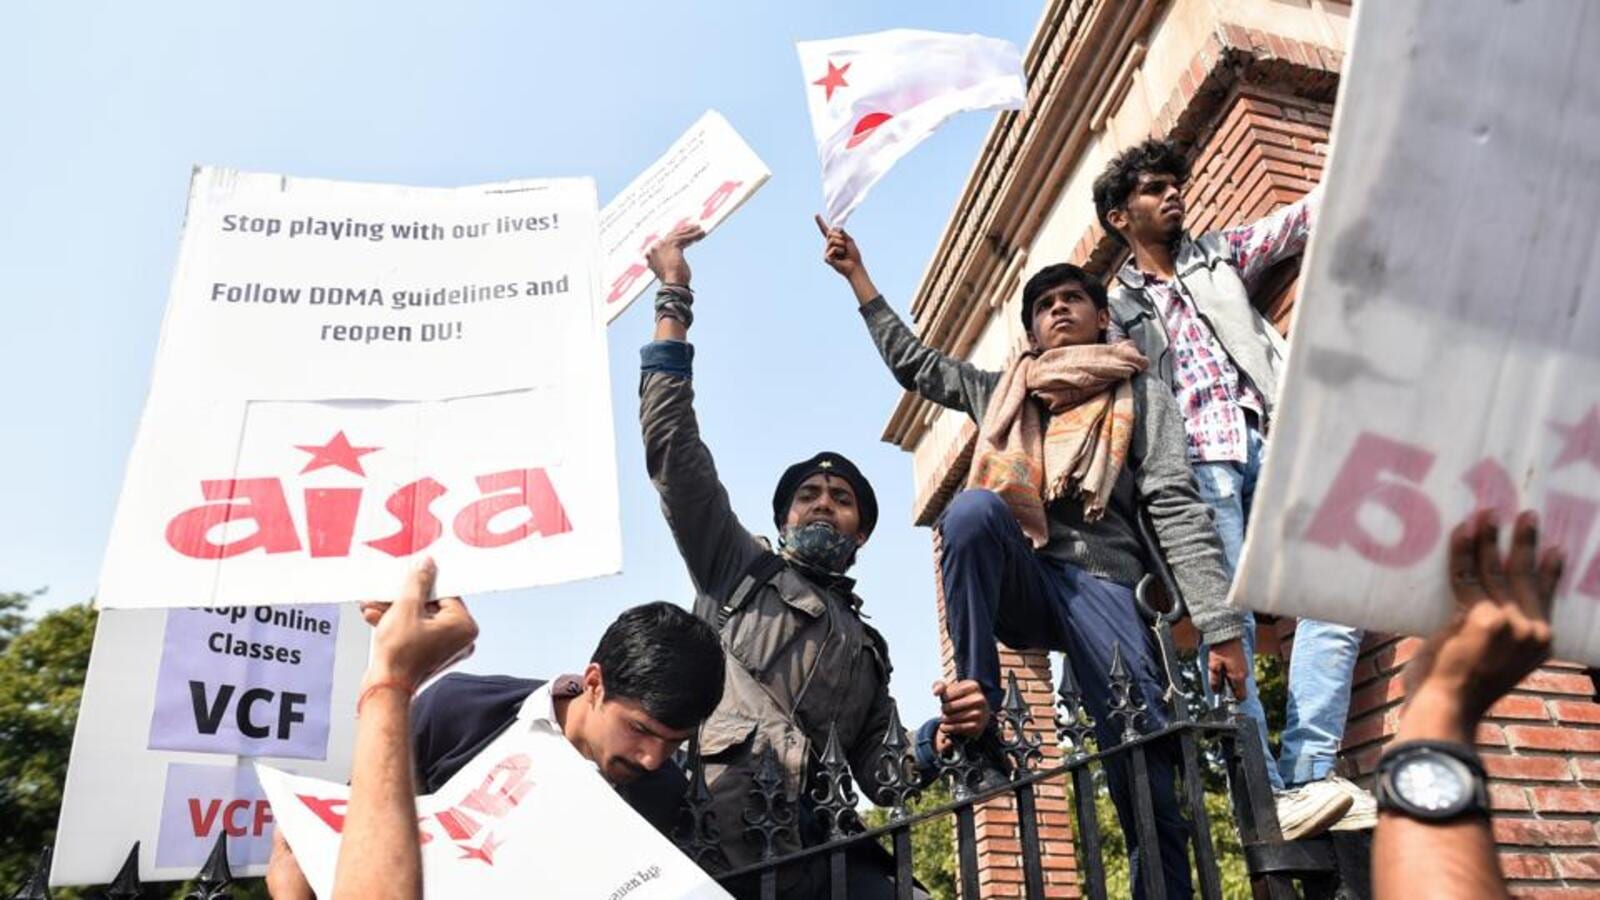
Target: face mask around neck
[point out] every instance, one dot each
(818, 545)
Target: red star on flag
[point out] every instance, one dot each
(336, 452)
(834, 79)
(1582, 440)
(484, 851)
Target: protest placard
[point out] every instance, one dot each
(350, 375)
(176, 704)
(1446, 351)
(702, 178)
(527, 810)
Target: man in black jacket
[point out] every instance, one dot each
(656, 674)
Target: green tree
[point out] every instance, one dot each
(933, 847)
(42, 666)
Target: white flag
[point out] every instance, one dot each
(873, 97)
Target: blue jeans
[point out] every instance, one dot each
(996, 586)
(1324, 658)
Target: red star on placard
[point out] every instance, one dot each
(484, 851)
(1582, 440)
(336, 452)
(834, 78)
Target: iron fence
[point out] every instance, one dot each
(1208, 734)
(1327, 867)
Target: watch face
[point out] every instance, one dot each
(1433, 783)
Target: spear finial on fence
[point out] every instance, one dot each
(1074, 727)
(1125, 701)
(834, 795)
(126, 885)
(1017, 741)
(773, 817)
(896, 778)
(959, 766)
(697, 834)
(37, 887)
(215, 881)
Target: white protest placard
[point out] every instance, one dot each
(528, 810)
(702, 178)
(176, 705)
(350, 375)
(1446, 354)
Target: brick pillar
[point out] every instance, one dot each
(999, 846)
(1541, 746)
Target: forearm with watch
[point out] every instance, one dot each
(1433, 805)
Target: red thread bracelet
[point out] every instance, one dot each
(400, 686)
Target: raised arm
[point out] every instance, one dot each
(378, 856)
(1262, 244)
(917, 367)
(1183, 528)
(1499, 634)
(714, 546)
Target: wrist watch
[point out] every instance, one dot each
(1432, 781)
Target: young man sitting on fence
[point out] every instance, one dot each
(803, 664)
(1042, 550)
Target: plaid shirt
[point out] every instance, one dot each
(1210, 393)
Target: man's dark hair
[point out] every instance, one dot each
(666, 660)
(1051, 277)
(1116, 184)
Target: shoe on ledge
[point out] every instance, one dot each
(1312, 808)
(1363, 812)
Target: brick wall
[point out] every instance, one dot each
(1541, 747)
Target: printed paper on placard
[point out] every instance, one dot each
(176, 704)
(526, 810)
(353, 375)
(702, 178)
(252, 681)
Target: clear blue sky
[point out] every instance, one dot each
(107, 105)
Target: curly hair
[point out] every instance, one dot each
(1116, 184)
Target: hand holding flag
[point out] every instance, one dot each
(874, 97)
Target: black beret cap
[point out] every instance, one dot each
(833, 464)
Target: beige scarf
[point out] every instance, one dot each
(1089, 394)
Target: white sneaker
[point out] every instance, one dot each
(1363, 812)
(1310, 809)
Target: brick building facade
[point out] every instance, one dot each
(1249, 87)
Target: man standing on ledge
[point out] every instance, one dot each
(801, 660)
(1186, 304)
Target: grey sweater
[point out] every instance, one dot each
(1157, 476)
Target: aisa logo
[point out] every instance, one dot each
(504, 507)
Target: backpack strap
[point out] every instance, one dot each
(761, 570)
